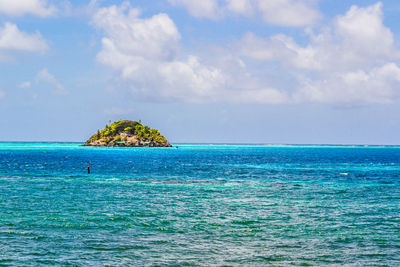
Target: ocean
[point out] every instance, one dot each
(199, 205)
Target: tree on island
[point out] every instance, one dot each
(128, 133)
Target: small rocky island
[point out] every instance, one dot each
(127, 134)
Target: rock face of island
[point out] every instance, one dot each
(128, 134)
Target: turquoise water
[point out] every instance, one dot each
(199, 205)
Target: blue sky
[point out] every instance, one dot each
(230, 71)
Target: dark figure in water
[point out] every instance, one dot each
(88, 169)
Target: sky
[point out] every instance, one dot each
(210, 71)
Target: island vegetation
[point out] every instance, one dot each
(127, 133)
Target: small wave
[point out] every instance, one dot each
(98, 248)
(244, 222)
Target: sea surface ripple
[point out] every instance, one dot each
(207, 205)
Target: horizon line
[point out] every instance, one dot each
(229, 143)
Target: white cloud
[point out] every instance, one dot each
(26, 84)
(152, 38)
(363, 29)
(146, 54)
(2, 94)
(11, 38)
(282, 48)
(243, 7)
(356, 39)
(288, 12)
(45, 77)
(355, 60)
(203, 8)
(21, 7)
(296, 13)
(377, 86)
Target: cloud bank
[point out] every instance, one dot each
(146, 54)
(352, 61)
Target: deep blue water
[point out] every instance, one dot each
(199, 205)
